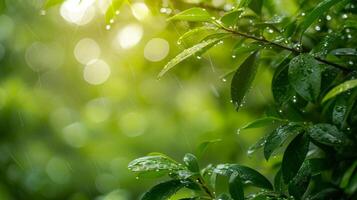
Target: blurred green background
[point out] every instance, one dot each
(79, 99)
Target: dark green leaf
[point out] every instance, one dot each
(305, 76)
(191, 162)
(163, 191)
(278, 182)
(343, 87)
(319, 10)
(344, 52)
(256, 6)
(243, 79)
(247, 174)
(223, 197)
(329, 193)
(261, 142)
(340, 111)
(300, 182)
(263, 122)
(281, 88)
(327, 134)
(193, 15)
(279, 136)
(294, 156)
(236, 187)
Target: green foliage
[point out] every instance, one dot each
(314, 87)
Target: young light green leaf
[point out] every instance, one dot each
(193, 32)
(242, 80)
(113, 10)
(305, 76)
(319, 10)
(265, 121)
(279, 136)
(193, 15)
(191, 162)
(50, 3)
(236, 187)
(204, 145)
(187, 53)
(294, 156)
(155, 163)
(231, 18)
(343, 87)
(163, 191)
(327, 134)
(300, 182)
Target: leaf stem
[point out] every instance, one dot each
(265, 41)
(205, 188)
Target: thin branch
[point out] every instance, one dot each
(263, 40)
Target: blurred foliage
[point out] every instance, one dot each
(79, 98)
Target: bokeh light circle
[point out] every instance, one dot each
(156, 49)
(96, 72)
(86, 50)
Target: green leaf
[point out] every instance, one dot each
(319, 10)
(344, 52)
(163, 191)
(300, 182)
(278, 182)
(261, 142)
(231, 18)
(50, 3)
(154, 163)
(193, 32)
(247, 174)
(281, 88)
(328, 193)
(246, 48)
(294, 156)
(243, 79)
(327, 134)
(341, 110)
(223, 197)
(343, 87)
(113, 10)
(236, 187)
(187, 53)
(265, 121)
(204, 145)
(191, 162)
(305, 76)
(256, 6)
(279, 136)
(193, 15)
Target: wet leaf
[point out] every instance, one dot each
(343, 87)
(154, 163)
(193, 15)
(305, 76)
(186, 54)
(163, 191)
(294, 156)
(204, 145)
(191, 162)
(243, 79)
(300, 182)
(236, 187)
(113, 10)
(277, 138)
(265, 121)
(327, 134)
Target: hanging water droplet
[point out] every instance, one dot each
(238, 131)
(107, 27)
(328, 17)
(198, 57)
(317, 28)
(137, 178)
(117, 12)
(303, 14)
(111, 21)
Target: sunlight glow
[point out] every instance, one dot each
(96, 72)
(140, 11)
(78, 12)
(130, 36)
(156, 49)
(86, 50)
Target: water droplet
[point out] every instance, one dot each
(198, 57)
(111, 21)
(270, 31)
(328, 17)
(344, 16)
(317, 28)
(42, 12)
(233, 56)
(107, 27)
(350, 62)
(137, 178)
(303, 14)
(224, 80)
(238, 131)
(117, 12)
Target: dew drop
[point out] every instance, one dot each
(224, 80)
(317, 28)
(43, 12)
(111, 21)
(238, 131)
(328, 17)
(108, 27)
(344, 16)
(303, 14)
(198, 57)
